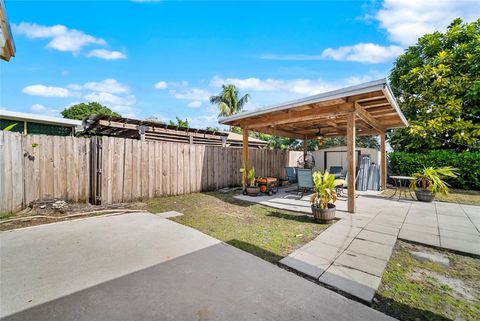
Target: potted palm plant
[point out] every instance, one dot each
(252, 189)
(323, 207)
(430, 181)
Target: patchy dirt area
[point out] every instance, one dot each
(55, 210)
(422, 283)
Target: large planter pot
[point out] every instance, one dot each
(252, 191)
(324, 215)
(424, 195)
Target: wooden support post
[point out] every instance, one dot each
(351, 170)
(305, 149)
(383, 162)
(245, 157)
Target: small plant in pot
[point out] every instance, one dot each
(430, 181)
(252, 189)
(323, 207)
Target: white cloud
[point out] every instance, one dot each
(294, 86)
(108, 98)
(106, 54)
(61, 38)
(404, 22)
(47, 91)
(161, 85)
(110, 85)
(363, 52)
(124, 105)
(41, 109)
(203, 121)
(407, 20)
(191, 94)
(195, 104)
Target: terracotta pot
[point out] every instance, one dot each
(424, 195)
(324, 215)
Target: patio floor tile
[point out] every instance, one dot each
(355, 282)
(381, 238)
(420, 237)
(382, 229)
(362, 262)
(380, 251)
(307, 264)
(460, 245)
(421, 228)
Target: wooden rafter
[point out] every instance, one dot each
(369, 119)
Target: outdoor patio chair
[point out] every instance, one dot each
(339, 189)
(305, 181)
(291, 174)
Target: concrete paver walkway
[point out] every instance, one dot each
(143, 267)
(352, 254)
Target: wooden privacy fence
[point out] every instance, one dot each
(109, 170)
(133, 170)
(40, 166)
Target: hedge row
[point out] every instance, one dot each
(467, 163)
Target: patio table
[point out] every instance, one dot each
(398, 185)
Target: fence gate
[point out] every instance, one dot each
(96, 170)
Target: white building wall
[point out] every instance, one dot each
(337, 156)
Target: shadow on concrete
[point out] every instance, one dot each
(255, 250)
(405, 312)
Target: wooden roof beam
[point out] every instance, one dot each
(301, 116)
(369, 119)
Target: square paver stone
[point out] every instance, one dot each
(471, 229)
(419, 237)
(380, 251)
(377, 237)
(382, 229)
(321, 250)
(460, 235)
(362, 262)
(307, 264)
(461, 245)
(354, 282)
(421, 228)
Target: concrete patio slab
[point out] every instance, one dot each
(456, 244)
(377, 250)
(382, 229)
(359, 245)
(362, 262)
(352, 281)
(381, 238)
(419, 237)
(132, 269)
(421, 228)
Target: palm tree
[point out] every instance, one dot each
(228, 102)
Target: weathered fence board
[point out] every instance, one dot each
(39, 166)
(122, 170)
(151, 169)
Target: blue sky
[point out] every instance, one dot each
(165, 58)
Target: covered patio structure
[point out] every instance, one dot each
(366, 109)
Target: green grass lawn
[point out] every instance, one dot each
(415, 289)
(455, 196)
(265, 232)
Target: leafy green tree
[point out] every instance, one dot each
(83, 110)
(437, 83)
(228, 101)
(179, 122)
(212, 129)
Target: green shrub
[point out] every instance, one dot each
(468, 164)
